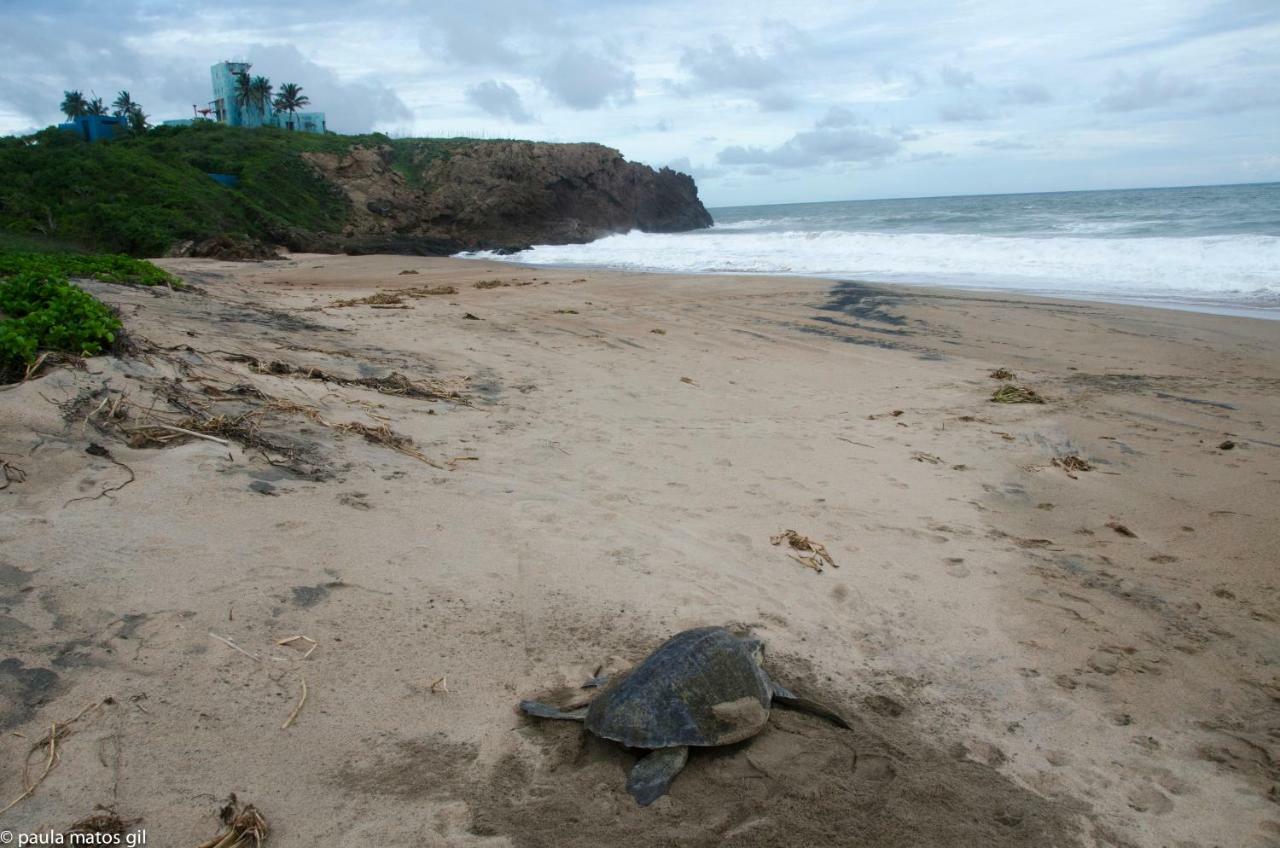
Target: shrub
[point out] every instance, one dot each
(42, 310)
(109, 268)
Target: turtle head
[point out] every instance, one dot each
(756, 647)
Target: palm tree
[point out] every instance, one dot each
(291, 99)
(244, 91)
(137, 120)
(123, 105)
(260, 88)
(96, 107)
(73, 105)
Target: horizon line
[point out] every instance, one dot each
(991, 194)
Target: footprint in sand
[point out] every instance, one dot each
(1148, 799)
(955, 567)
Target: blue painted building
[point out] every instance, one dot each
(96, 127)
(227, 109)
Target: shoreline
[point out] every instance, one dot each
(1270, 311)
(1033, 653)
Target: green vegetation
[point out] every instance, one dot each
(141, 194)
(290, 99)
(40, 309)
(43, 311)
(109, 268)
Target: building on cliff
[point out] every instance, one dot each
(97, 127)
(228, 109)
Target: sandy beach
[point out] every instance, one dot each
(512, 478)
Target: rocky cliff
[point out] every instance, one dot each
(503, 195)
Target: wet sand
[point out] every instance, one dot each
(1032, 654)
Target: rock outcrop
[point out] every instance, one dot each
(505, 195)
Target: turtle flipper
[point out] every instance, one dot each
(541, 710)
(597, 682)
(651, 777)
(786, 698)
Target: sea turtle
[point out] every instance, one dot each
(702, 687)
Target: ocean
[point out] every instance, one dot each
(1209, 248)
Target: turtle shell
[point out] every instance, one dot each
(701, 687)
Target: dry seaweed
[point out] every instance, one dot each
(243, 826)
(817, 553)
(1002, 374)
(301, 702)
(96, 449)
(1072, 464)
(394, 383)
(381, 435)
(58, 732)
(393, 298)
(106, 821)
(379, 299)
(1121, 529)
(1015, 394)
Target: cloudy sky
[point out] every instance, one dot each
(762, 102)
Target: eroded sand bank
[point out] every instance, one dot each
(1032, 656)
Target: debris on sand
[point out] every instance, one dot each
(98, 450)
(407, 271)
(10, 473)
(392, 298)
(1072, 464)
(921, 456)
(658, 331)
(301, 702)
(1010, 393)
(566, 312)
(1121, 529)
(300, 638)
(394, 383)
(379, 299)
(1003, 374)
(244, 826)
(688, 381)
(491, 284)
(817, 553)
(467, 316)
(105, 821)
(1227, 445)
(58, 731)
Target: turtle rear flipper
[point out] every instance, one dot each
(652, 775)
(541, 710)
(786, 698)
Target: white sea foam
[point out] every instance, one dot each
(1242, 269)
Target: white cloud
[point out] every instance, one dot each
(664, 85)
(499, 100)
(1147, 89)
(584, 79)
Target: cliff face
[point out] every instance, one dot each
(505, 195)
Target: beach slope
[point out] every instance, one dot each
(467, 483)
